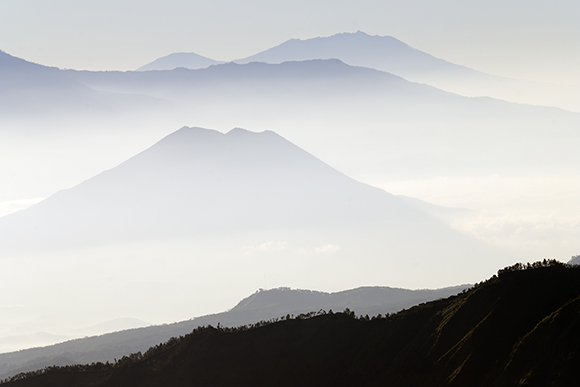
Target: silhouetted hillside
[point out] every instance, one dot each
(262, 305)
(517, 328)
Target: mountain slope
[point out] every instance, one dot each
(188, 60)
(253, 77)
(262, 305)
(24, 85)
(475, 338)
(29, 90)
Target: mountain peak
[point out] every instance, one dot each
(195, 134)
(239, 132)
(188, 60)
(359, 33)
(354, 48)
(188, 134)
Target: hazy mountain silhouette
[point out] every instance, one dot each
(388, 54)
(517, 328)
(370, 300)
(383, 53)
(28, 88)
(262, 305)
(392, 127)
(321, 76)
(200, 182)
(406, 128)
(189, 60)
(24, 84)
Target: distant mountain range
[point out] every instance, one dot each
(388, 54)
(262, 305)
(383, 53)
(517, 328)
(392, 127)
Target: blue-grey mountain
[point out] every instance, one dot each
(188, 60)
(28, 90)
(389, 54)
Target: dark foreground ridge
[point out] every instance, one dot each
(262, 305)
(517, 328)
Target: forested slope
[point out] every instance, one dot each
(519, 327)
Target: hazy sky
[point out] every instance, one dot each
(532, 39)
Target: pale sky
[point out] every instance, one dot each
(532, 39)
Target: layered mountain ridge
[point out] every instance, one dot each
(389, 54)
